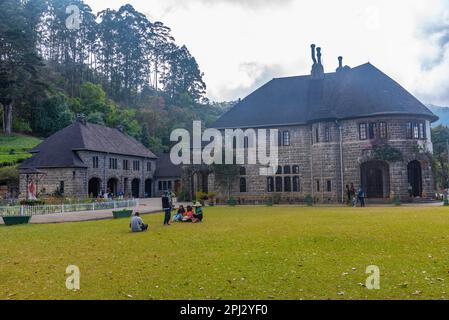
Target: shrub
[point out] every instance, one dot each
(397, 200)
(232, 202)
(276, 198)
(32, 202)
(201, 195)
(309, 200)
(269, 202)
(184, 195)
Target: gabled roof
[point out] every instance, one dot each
(59, 150)
(165, 167)
(362, 91)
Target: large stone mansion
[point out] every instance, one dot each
(355, 125)
(352, 126)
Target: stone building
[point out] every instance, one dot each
(167, 176)
(87, 159)
(355, 125)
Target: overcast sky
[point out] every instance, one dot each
(241, 44)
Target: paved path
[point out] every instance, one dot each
(146, 206)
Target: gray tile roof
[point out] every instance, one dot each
(59, 150)
(358, 92)
(165, 167)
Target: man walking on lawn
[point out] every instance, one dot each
(167, 207)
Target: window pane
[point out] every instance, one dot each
(422, 131)
(295, 169)
(242, 171)
(296, 184)
(287, 184)
(287, 170)
(278, 184)
(362, 131)
(286, 138)
(242, 185)
(270, 184)
(327, 135)
(372, 130)
(415, 131)
(329, 186)
(383, 130)
(409, 130)
(279, 171)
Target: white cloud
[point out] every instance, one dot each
(226, 35)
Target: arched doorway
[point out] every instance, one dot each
(94, 187)
(415, 178)
(148, 187)
(112, 186)
(375, 179)
(135, 188)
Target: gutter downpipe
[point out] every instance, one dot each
(340, 129)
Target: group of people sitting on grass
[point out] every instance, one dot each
(190, 214)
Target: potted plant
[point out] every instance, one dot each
(125, 213)
(211, 198)
(16, 220)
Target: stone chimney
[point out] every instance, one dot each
(340, 65)
(317, 67)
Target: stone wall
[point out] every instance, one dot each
(50, 180)
(320, 161)
(76, 181)
(124, 177)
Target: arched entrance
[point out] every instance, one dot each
(94, 187)
(415, 178)
(135, 188)
(375, 178)
(148, 187)
(112, 186)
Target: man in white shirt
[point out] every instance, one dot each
(137, 224)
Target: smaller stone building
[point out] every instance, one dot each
(167, 176)
(87, 160)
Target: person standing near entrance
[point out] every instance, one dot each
(410, 190)
(361, 195)
(167, 207)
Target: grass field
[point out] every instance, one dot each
(19, 144)
(237, 253)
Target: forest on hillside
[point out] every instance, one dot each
(58, 59)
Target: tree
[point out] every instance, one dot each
(440, 139)
(183, 75)
(19, 62)
(226, 175)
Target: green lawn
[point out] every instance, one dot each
(19, 144)
(237, 253)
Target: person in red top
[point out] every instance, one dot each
(188, 217)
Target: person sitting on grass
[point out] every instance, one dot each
(198, 215)
(137, 224)
(180, 214)
(188, 217)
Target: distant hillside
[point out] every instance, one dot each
(442, 113)
(14, 149)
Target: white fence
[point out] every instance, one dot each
(62, 208)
